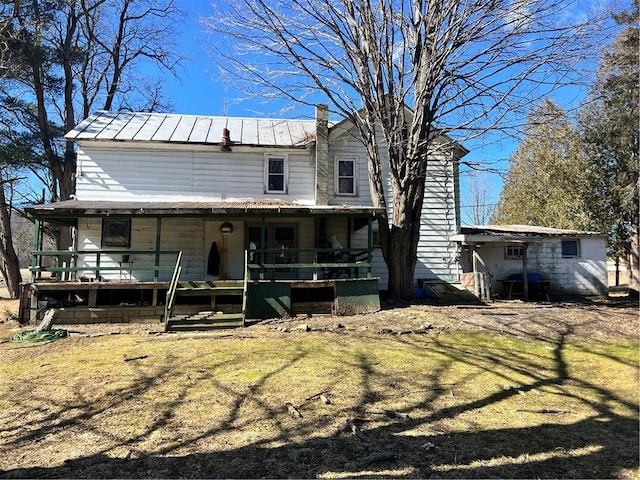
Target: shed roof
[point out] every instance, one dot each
(523, 230)
(515, 233)
(193, 129)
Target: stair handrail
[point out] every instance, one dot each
(171, 292)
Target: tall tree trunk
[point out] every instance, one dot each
(404, 236)
(9, 264)
(402, 264)
(634, 258)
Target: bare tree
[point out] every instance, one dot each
(463, 67)
(59, 61)
(73, 57)
(477, 199)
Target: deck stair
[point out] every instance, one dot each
(211, 317)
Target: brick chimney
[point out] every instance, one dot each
(322, 153)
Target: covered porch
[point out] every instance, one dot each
(290, 259)
(496, 264)
(532, 262)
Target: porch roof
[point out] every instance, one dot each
(470, 234)
(80, 208)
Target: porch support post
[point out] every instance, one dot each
(156, 272)
(73, 262)
(525, 280)
(36, 247)
(476, 274)
(263, 240)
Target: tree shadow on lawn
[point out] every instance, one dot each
(547, 451)
(602, 445)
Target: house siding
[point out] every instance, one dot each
(147, 174)
(437, 252)
(348, 146)
(142, 238)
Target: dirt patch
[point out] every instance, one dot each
(616, 317)
(507, 390)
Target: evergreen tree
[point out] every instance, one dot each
(609, 126)
(545, 183)
(59, 61)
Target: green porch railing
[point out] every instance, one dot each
(94, 258)
(326, 261)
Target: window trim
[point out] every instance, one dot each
(336, 167)
(578, 249)
(123, 240)
(511, 256)
(285, 183)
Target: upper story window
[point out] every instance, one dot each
(513, 252)
(345, 176)
(570, 248)
(276, 170)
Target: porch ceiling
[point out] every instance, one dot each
(78, 208)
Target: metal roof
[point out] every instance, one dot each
(522, 230)
(515, 234)
(77, 208)
(193, 129)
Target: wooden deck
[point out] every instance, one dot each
(200, 304)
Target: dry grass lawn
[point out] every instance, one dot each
(509, 391)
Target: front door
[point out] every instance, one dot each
(279, 237)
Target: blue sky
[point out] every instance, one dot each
(199, 91)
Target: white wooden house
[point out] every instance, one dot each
(276, 211)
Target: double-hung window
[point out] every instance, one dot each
(276, 170)
(346, 176)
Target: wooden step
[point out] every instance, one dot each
(205, 321)
(211, 285)
(209, 291)
(214, 288)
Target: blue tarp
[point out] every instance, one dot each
(531, 277)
